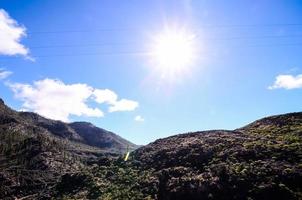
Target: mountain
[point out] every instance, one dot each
(46, 159)
(81, 132)
(262, 160)
(35, 151)
(101, 138)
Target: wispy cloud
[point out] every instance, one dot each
(4, 74)
(10, 35)
(139, 118)
(287, 82)
(56, 100)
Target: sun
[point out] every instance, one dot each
(173, 50)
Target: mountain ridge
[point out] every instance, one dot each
(261, 160)
(67, 130)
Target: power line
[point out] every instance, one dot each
(144, 53)
(273, 45)
(254, 25)
(136, 29)
(80, 45)
(98, 54)
(129, 43)
(256, 37)
(79, 31)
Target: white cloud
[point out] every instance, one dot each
(111, 98)
(139, 118)
(105, 96)
(123, 105)
(10, 35)
(287, 82)
(56, 100)
(4, 74)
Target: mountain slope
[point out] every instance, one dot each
(35, 152)
(101, 138)
(262, 160)
(259, 161)
(41, 158)
(81, 132)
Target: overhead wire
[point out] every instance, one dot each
(135, 29)
(129, 43)
(146, 53)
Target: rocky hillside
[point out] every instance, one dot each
(45, 159)
(80, 132)
(262, 160)
(35, 152)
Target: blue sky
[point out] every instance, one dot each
(244, 47)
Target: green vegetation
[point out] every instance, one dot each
(50, 161)
(115, 180)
